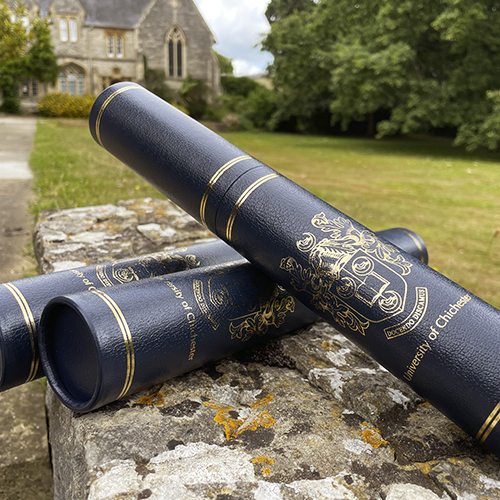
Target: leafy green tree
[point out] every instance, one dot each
(259, 107)
(40, 61)
(238, 85)
(425, 64)
(225, 63)
(279, 9)
(25, 51)
(299, 70)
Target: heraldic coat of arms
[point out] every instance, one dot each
(351, 275)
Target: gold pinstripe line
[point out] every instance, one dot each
(417, 244)
(214, 179)
(104, 106)
(248, 191)
(30, 323)
(490, 423)
(127, 337)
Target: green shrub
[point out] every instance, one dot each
(193, 95)
(213, 113)
(11, 105)
(59, 105)
(154, 81)
(241, 86)
(260, 106)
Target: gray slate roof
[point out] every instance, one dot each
(110, 13)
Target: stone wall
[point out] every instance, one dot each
(307, 416)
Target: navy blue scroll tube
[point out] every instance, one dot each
(424, 328)
(100, 345)
(22, 301)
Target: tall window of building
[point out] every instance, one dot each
(68, 29)
(179, 58)
(111, 46)
(73, 30)
(72, 83)
(115, 45)
(72, 80)
(81, 84)
(176, 52)
(171, 58)
(119, 46)
(63, 29)
(63, 86)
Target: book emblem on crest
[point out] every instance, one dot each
(355, 277)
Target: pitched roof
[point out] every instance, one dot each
(107, 13)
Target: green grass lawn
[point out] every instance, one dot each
(450, 197)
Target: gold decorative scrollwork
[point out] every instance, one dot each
(341, 264)
(272, 313)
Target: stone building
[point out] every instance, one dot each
(100, 42)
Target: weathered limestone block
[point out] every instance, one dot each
(65, 239)
(307, 416)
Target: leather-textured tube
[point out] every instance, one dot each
(100, 345)
(22, 301)
(424, 328)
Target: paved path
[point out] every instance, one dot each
(16, 143)
(24, 459)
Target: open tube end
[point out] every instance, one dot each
(69, 355)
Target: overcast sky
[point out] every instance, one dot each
(238, 26)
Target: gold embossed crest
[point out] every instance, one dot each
(351, 275)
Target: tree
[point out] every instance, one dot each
(25, 51)
(280, 9)
(225, 63)
(298, 69)
(425, 64)
(40, 60)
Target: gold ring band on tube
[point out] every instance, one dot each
(127, 337)
(105, 104)
(488, 426)
(214, 179)
(30, 323)
(417, 244)
(248, 191)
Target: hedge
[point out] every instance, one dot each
(59, 105)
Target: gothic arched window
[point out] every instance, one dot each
(72, 80)
(175, 42)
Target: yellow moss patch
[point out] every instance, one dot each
(266, 471)
(264, 461)
(156, 399)
(327, 345)
(426, 467)
(235, 426)
(374, 437)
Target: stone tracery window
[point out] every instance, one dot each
(63, 29)
(176, 53)
(72, 80)
(115, 45)
(68, 29)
